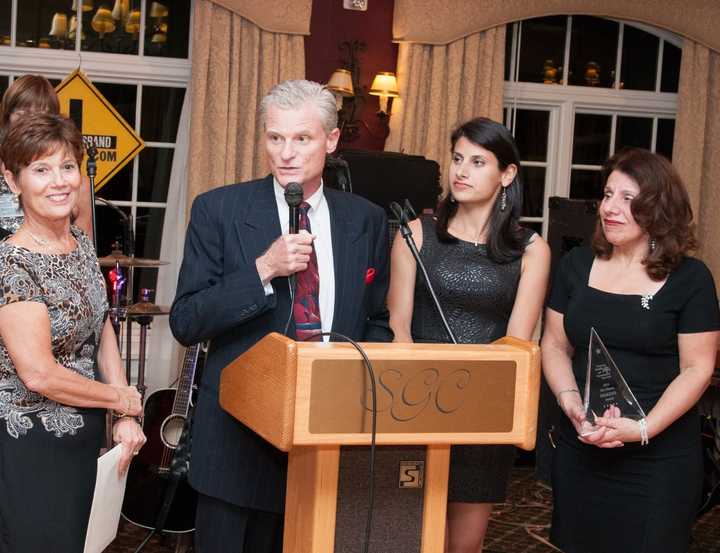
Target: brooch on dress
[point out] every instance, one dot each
(645, 300)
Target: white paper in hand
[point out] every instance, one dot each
(107, 502)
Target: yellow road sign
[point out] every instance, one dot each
(101, 126)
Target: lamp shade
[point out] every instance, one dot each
(103, 22)
(120, 10)
(340, 83)
(158, 10)
(59, 25)
(87, 5)
(132, 25)
(384, 84)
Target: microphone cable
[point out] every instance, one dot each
(373, 429)
(402, 216)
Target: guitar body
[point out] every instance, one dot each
(148, 476)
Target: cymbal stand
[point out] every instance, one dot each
(117, 313)
(144, 321)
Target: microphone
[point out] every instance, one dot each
(401, 213)
(294, 197)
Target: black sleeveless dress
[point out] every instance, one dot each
(477, 295)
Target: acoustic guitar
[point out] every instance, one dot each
(149, 477)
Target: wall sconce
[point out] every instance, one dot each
(341, 85)
(385, 86)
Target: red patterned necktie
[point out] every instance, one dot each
(306, 308)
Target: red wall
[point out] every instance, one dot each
(332, 24)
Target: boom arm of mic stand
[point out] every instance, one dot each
(91, 172)
(406, 233)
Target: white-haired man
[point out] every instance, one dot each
(234, 289)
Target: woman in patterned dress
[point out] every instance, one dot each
(34, 94)
(60, 368)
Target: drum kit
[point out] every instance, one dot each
(141, 312)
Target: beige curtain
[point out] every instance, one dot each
(441, 86)
(696, 153)
(443, 21)
(234, 64)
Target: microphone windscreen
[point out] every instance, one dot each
(294, 194)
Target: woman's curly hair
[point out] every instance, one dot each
(662, 209)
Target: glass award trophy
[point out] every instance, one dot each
(606, 392)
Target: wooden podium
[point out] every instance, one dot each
(311, 398)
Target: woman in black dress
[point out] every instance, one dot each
(490, 275)
(632, 486)
(59, 363)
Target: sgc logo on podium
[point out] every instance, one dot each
(412, 474)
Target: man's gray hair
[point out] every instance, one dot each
(293, 94)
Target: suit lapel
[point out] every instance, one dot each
(348, 257)
(261, 224)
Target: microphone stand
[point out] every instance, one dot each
(406, 233)
(91, 172)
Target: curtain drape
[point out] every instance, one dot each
(164, 356)
(441, 86)
(234, 64)
(696, 152)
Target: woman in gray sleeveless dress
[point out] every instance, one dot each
(490, 276)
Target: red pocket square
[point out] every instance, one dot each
(370, 275)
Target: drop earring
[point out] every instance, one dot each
(653, 245)
(503, 199)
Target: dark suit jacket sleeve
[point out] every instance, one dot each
(377, 328)
(209, 301)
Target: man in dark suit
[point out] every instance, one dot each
(234, 289)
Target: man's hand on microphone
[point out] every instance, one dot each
(289, 254)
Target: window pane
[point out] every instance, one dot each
(4, 83)
(593, 51)
(585, 184)
(160, 113)
(531, 134)
(533, 191)
(542, 49)
(591, 140)
(110, 228)
(670, 68)
(167, 29)
(44, 24)
(633, 132)
(154, 176)
(148, 235)
(639, 59)
(123, 98)
(119, 187)
(5, 14)
(665, 134)
(115, 29)
(533, 225)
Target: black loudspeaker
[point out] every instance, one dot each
(385, 177)
(571, 224)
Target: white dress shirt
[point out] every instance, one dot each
(319, 215)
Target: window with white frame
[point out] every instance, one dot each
(136, 54)
(577, 90)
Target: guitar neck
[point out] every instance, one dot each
(181, 405)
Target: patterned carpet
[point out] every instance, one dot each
(519, 526)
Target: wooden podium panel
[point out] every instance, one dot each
(313, 400)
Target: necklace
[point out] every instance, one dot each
(39, 241)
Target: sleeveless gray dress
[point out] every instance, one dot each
(477, 295)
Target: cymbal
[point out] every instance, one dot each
(127, 261)
(147, 309)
